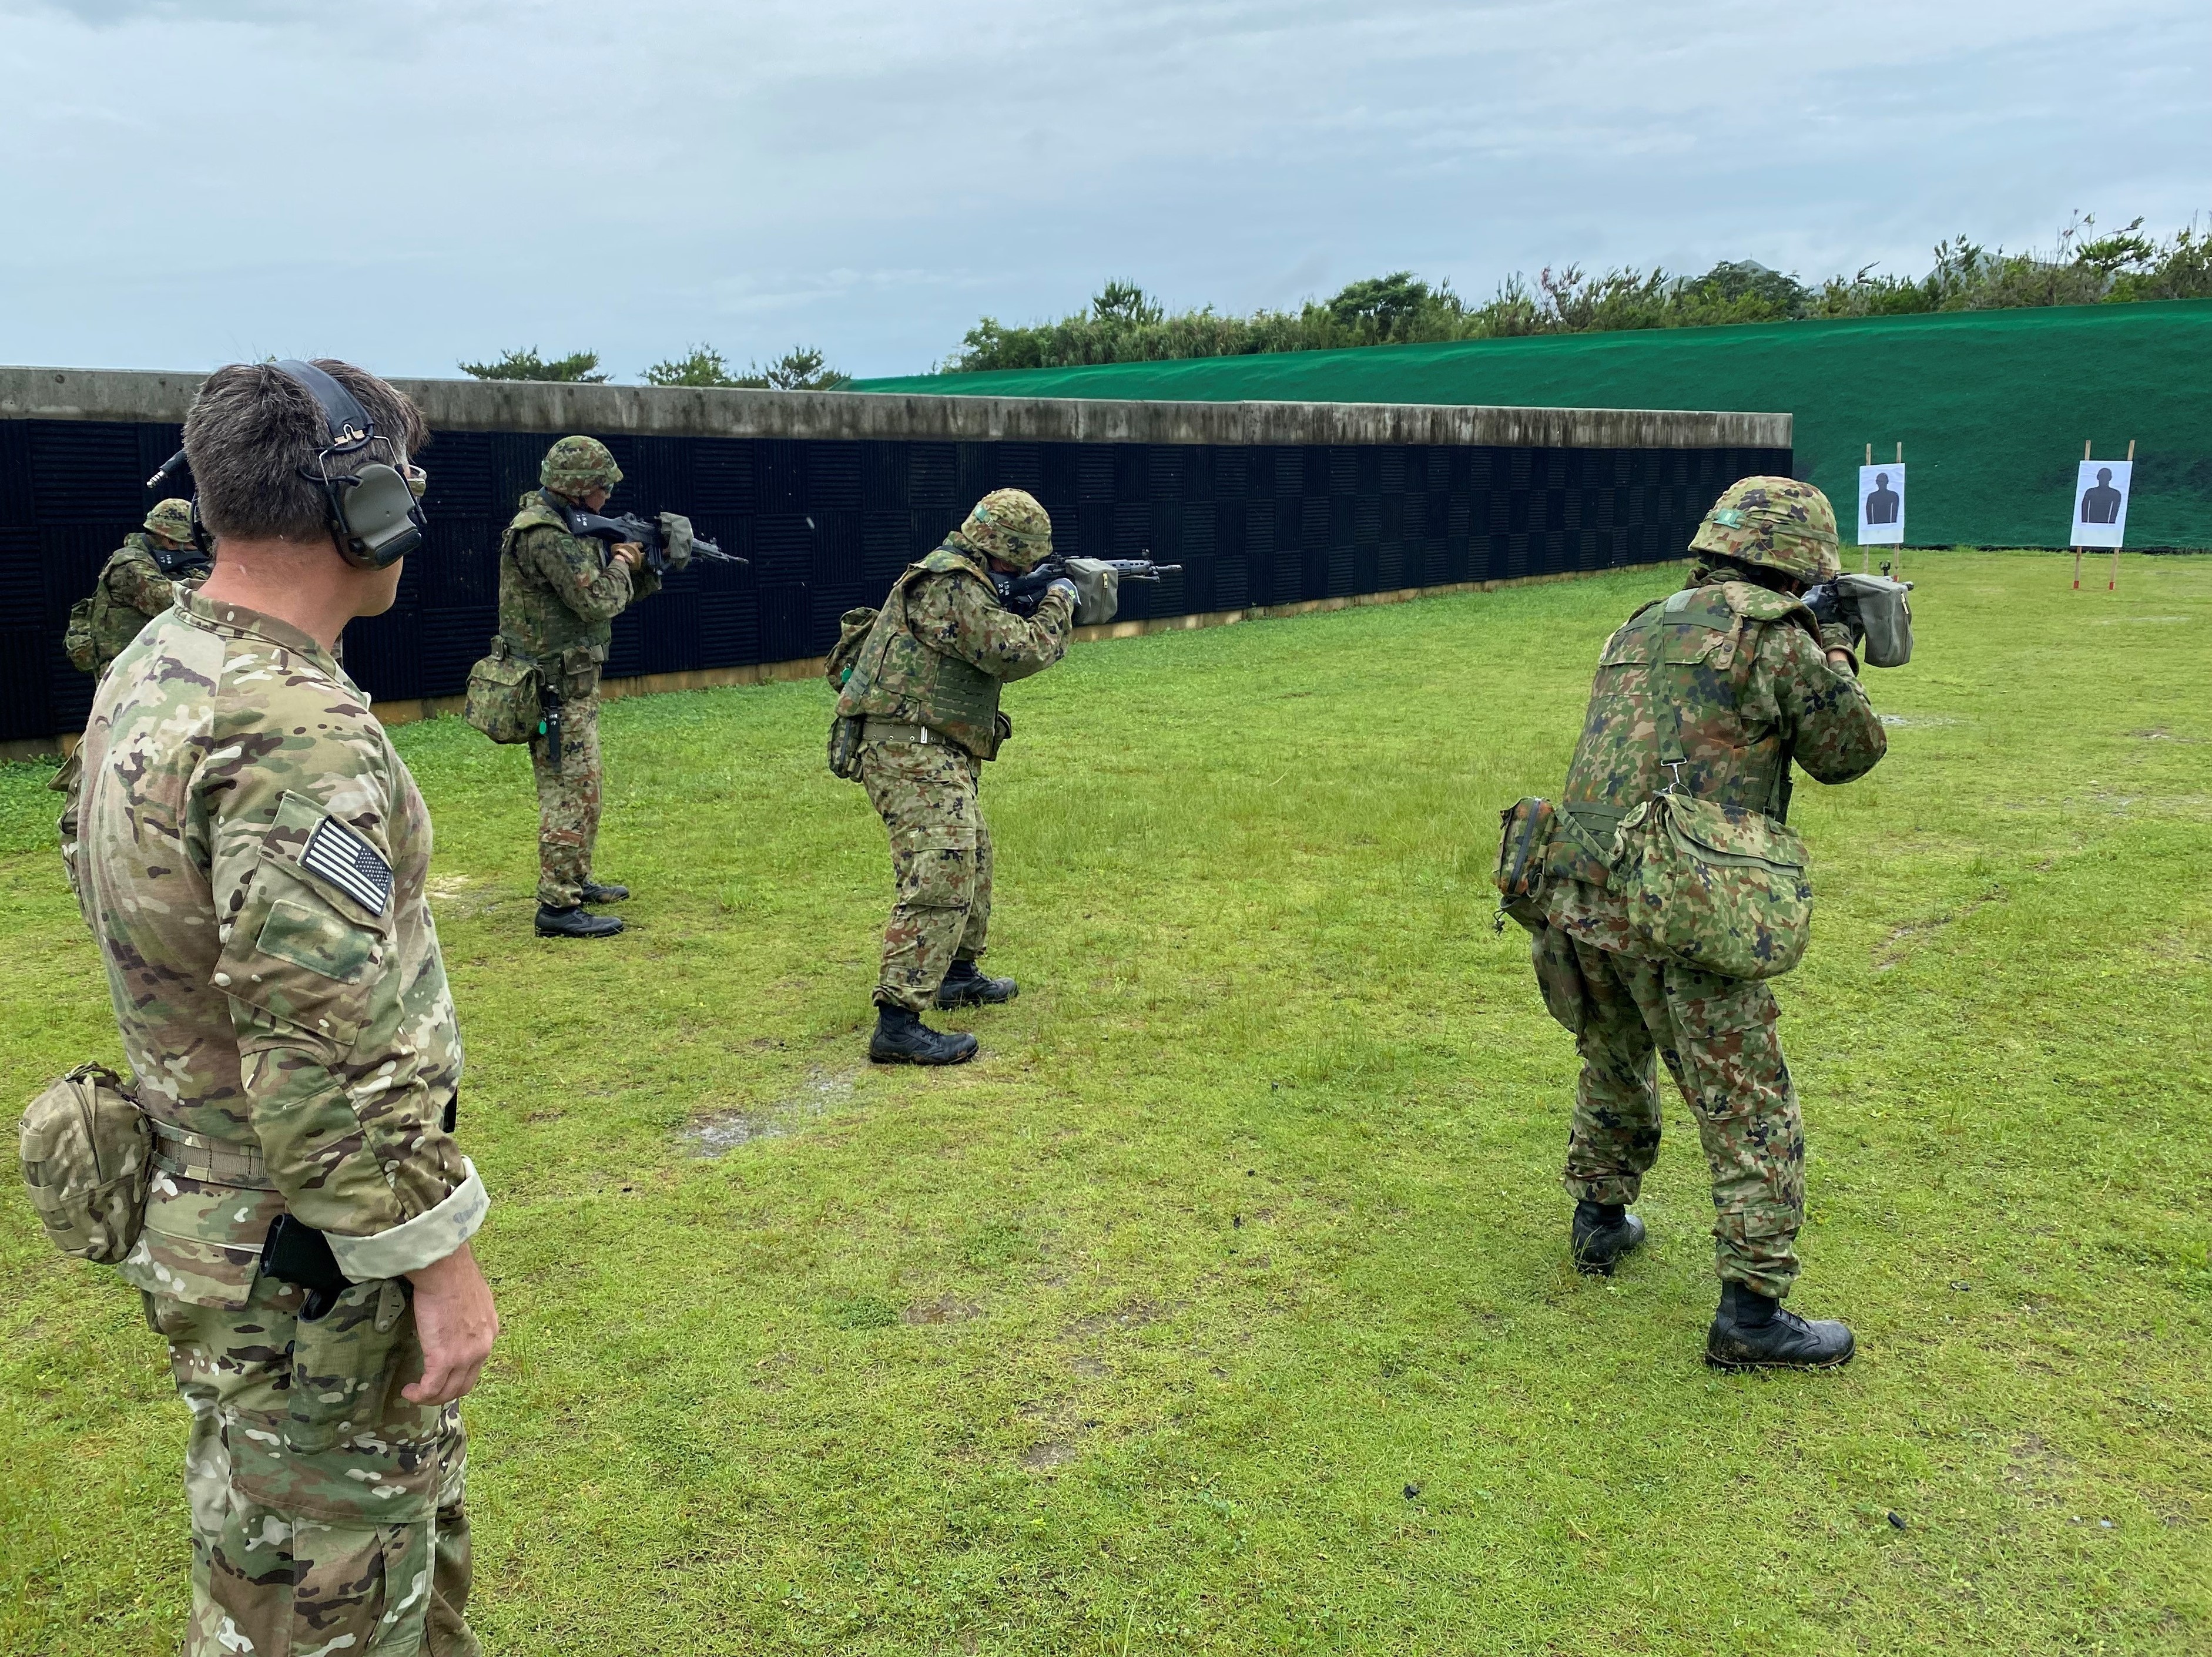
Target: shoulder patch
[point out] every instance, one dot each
(349, 863)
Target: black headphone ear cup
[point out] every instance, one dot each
(377, 520)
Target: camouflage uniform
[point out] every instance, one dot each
(251, 859)
(927, 682)
(558, 597)
(1741, 673)
(133, 589)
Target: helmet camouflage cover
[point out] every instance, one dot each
(577, 465)
(1011, 525)
(1775, 523)
(171, 520)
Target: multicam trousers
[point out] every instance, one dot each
(326, 1509)
(940, 860)
(568, 805)
(1716, 1037)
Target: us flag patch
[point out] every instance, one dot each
(349, 863)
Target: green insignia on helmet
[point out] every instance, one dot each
(1011, 525)
(577, 465)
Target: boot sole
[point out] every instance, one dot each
(943, 1005)
(1741, 1365)
(875, 1058)
(555, 932)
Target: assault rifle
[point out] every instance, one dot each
(1022, 594)
(1873, 607)
(663, 551)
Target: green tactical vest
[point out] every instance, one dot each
(1667, 709)
(532, 619)
(898, 677)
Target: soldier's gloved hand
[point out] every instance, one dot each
(1063, 584)
(631, 553)
(1097, 590)
(675, 535)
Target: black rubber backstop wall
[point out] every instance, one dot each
(827, 524)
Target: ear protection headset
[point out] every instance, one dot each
(373, 513)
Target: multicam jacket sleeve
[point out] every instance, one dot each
(317, 845)
(963, 618)
(577, 572)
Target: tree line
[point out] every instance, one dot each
(1124, 324)
(800, 369)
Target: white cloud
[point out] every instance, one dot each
(415, 182)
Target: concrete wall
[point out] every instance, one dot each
(471, 405)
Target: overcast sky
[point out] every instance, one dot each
(406, 183)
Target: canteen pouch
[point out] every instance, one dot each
(502, 695)
(852, 629)
(87, 1155)
(1525, 830)
(1886, 616)
(1721, 888)
(845, 746)
(76, 638)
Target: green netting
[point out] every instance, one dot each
(1992, 406)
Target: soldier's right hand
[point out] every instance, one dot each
(631, 553)
(456, 1323)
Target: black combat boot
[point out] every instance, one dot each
(1751, 1331)
(901, 1038)
(595, 893)
(1604, 1232)
(964, 986)
(575, 921)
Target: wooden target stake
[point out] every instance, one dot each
(2077, 549)
(2113, 584)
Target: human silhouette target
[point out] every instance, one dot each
(1881, 505)
(2100, 503)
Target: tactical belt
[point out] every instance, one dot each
(216, 1161)
(877, 729)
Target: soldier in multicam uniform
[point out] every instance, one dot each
(926, 681)
(141, 579)
(252, 862)
(1741, 670)
(558, 597)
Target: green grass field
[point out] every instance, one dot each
(1224, 1304)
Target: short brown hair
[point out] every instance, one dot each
(252, 430)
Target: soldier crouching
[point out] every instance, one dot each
(251, 859)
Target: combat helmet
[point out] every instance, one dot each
(577, 465)
(1774, 523)
(171, 520)
(1011, 525)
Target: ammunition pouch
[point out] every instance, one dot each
(1526, 828)
(77, 642)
